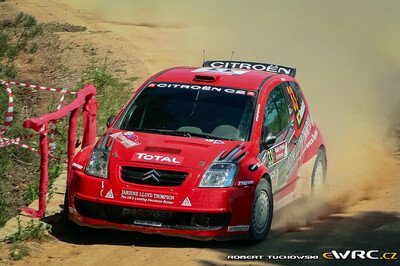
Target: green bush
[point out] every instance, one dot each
(36, 231)
(16, 37)
(19, 251)
(110, 89)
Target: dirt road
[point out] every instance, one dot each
(352, 219)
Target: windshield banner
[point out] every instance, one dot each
(201, 87)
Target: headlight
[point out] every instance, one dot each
(98, 163)
(219, 175)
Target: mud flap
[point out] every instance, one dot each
(303, 186)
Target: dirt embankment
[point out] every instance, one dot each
(353, 100)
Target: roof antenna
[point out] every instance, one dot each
(230, 61)
(204, 56)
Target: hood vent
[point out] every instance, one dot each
(162, 149)
(204, 78)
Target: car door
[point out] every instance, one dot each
(297, 116)
(277, 122)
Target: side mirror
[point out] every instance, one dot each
(110, 120)
(269, 140)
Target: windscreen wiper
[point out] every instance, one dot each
(180, 133)
(161, 131)
(204, 135)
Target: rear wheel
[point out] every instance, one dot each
(261, 214)
(319, 172)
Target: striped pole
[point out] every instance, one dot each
(10, 110)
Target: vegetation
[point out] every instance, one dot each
(16, 37)
(19, 168)
(100, 72)
(35, 230)
(19, 251)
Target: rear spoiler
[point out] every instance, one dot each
(252, 66)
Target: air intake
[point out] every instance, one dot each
(204, 78)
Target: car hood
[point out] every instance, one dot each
(158, 149)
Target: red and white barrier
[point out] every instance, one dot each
(84, 100)
(10, 110)
(10, 113)
(36, 87)
(45, 125)
(4, 142)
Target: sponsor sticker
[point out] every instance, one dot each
(147, 197)
(215, 141)
(252, 66)
(186, 202)
(127, 139)
(312, 139)
(238, 228)
(137, 214)
(258, 112)
(222, 71)
(297, 153)
(280, 151)
(153, 157)
(245, 182)
(199, 87)
(277, 153)
(77, 166)
(298, 107)
(274, 177)
(102, 189)
(109, 195)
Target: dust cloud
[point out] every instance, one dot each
(348, 62)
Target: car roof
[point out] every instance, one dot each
(233, 78)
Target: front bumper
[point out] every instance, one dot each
(213, 213)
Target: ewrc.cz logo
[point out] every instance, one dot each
(360, 254)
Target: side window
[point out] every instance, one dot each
(297, 102)
(276, 117)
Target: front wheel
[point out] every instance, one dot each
(65, 211)
(261, 214)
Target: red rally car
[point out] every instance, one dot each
(205, 153)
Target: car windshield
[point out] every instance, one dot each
(191, 110)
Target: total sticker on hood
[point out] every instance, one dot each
(157, 158)
(127, 139)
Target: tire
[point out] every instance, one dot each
(72, 226)
(261, 212)
(319, 171)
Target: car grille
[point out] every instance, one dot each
(164, 219)
(147, 176)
